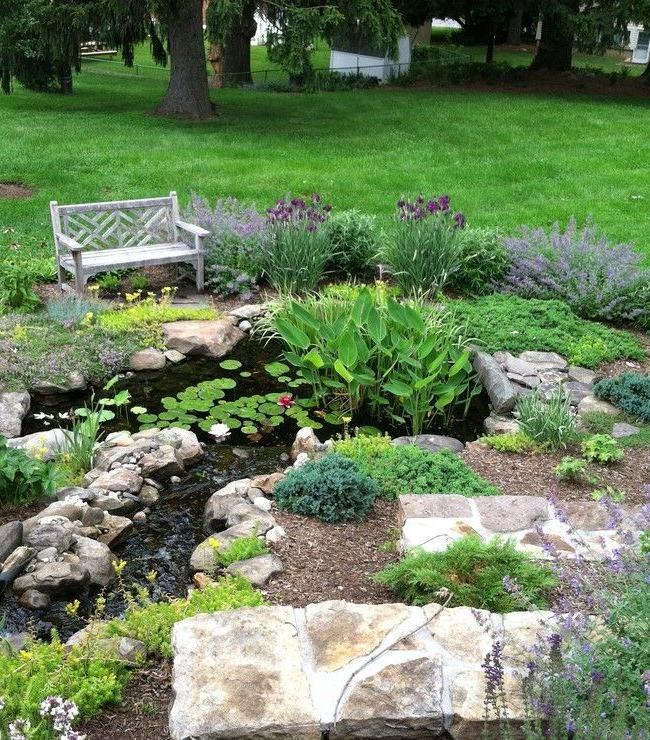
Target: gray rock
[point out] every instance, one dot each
(275, 534)
(444, 506)
(245, 512)
(12, 643)
(495, 424)
(431, 442)
(203, 557)
(121, 450)
(13, 409)
(186, 443)
(68, 509)
(44, 445)
(245, 325)
(18, 559)
(619, 430)
(582, 375)
(48, 555)
(249, 311)
(261, 503)
(147, 359)
(119, 480)
(518, 366)
(92, 516)
(97, 559)
(591, 403)
(115, 529)
(577, 391)
(148, 495)
(76, 493)
(52, 531)
(498, 387)
(139, 518)
(126, 650)
(305, 442)
(258, 648)
(54, 578)
(217, 510)
(11, 537)
(544, 360)
(258, 570)
(115, 503)
(209, 338)
(266, 483)
(33, 599)
(173, 356)
(74, 381)
(528, 381)
(511, 513)
(162, 463)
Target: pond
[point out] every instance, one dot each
(173, 527)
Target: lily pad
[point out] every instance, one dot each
(249, 429)
(275, 369)
(230, 364)
(245, 374)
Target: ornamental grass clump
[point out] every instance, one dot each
(629, 391)
(474, 572)
(599, 280)
(353, 239)
(549, 421)
(297, 251)
(423, 250)
(332, 489)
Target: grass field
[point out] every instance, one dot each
(506, 159)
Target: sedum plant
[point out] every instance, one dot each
(332, 489)
(423, 250)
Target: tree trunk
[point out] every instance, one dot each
(187, 93)
(645, 75)
(515, 25)
(555, 51)
(64, 74)
(237, 48)
(489, 52)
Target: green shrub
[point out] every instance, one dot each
(16, 293)
(474, 572)
(483, 261)
(548, 421)
(402, 469)
(601, 448)
(610, 493)
(353, 239)
(513, 324)
(24, 479)
(152, 623)
(45, 669)
(241, 549)
(629, 391)
(512, 442)
(332, 489)
(574, 470)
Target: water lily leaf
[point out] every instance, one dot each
(307, 403)
(169, 403)
(333, 418)
(218, 412)
(249, 429)
(246, 413)
(272, 396)
(147, 418)
(245, 374)
(272, 409)
(230, 364)
(206, 424)
(232, 423)
(284, 379)
(197, 405)
(138, 410)
(369, 431)
(169, 415)
(275, 421)
(276, 369)
(224, 383)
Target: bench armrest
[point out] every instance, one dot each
(192, 229)
(66, 241)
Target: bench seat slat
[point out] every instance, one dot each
(132, 257)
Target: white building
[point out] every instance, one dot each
(639, 44)
(350, 58)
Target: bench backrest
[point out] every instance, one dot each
(117, 224)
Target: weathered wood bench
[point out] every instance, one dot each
(100, 237)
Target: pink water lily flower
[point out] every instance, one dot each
(286, 401)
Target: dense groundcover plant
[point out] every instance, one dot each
(514, 324)
(332, 489)
(484, 261)
(629, 391)
(353, 239)
(597, 279)
(473, 572)
(422, 251)
(233, 256)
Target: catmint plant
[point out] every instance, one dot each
(599, 280)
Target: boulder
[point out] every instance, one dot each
(217, 510)
(577, 391)
(258, 570)
(499, 389)
(239, 674)
(33, 599)
(203, 557)
(582, 375)
(249, 311)
(74, 381)
(275, 534)
(114, 529)
(591, 403)
(120, 450)
(70, 509)
(517, 366)
(96, 558)
(114, 503)
(51, 531)
(511, 513)
(148, 495)
(11, 537)
(17, 560)
(210, 338)
(262, 503)
(622, 429)
(306, 442)
(163, 463)
(266, 483)
(431, 442)
(13, 409)
(495, 424)
(42, 445)
(54, 578)
(75, 494)
(147, 359)
(244, 512)
(186, 443)
(119, 480)
(544, 360)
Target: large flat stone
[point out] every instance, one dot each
(434, 534)
(400, 698)
(591, 403)
(499, 389)
(239, 674)
(437, 505)
(431, 442)
(463, 632)
(339, 631)
(210, 338)
(544, 360)
(511, 513)
(42, 445)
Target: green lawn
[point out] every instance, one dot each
(506, 159)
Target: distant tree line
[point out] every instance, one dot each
(40, 39)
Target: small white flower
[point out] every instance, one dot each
(219, 432)
(64, 415)
(42, 415)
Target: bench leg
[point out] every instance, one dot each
(59, 277)
(79, 278)
(200, 270)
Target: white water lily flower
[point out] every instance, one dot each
(219, 432)
(64, 415)
(42, 415)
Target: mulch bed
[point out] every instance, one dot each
(14, 190)
(532, 474)
(9, 513)
(334, 561)
(144, 713)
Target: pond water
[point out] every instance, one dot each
(174, 525)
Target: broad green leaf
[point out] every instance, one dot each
(313, 357)
(292, 334)
(397, 388)
(343, 371)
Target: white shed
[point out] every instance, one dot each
(639, 44)
(352, 58)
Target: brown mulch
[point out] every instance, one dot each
(144, 712)
(611, 369)
(14, 190)
(9, 513)
(334, 561)
(532, 474)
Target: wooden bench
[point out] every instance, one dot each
(100, 237)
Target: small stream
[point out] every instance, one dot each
(173, 527)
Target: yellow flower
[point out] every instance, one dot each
(100, 605)
(25, 655)
(118, 566)
(214, 543)
(151, 576)
(72, 607)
